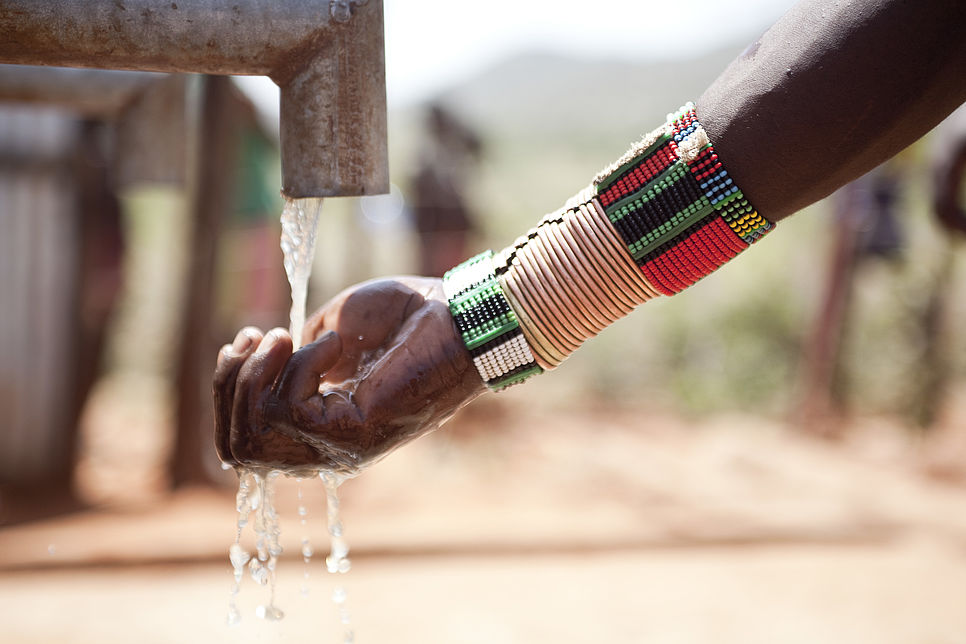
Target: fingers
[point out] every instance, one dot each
(315, 325)
(301, 375)
(230, 360)
(260, 371)
(253, 383)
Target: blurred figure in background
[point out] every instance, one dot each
(949, 169)
(865, 227)
(441, 216)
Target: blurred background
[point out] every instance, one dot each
(778, 454)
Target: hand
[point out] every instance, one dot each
(383, 363)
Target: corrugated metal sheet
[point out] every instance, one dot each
(37, 278)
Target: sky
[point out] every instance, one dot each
(431, 44)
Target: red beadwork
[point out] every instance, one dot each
(713, 250)
(656, 279)
(644, 171)
(684, 273)
(664, 264)
(704, 259)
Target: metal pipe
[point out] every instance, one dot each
(91, 92)
(148, 109)
(327, 56)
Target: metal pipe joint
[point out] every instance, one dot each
(327, 56)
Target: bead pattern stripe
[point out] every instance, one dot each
(487, 323)
(676, 208)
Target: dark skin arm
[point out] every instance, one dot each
(831, 91)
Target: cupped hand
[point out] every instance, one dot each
(382, 364)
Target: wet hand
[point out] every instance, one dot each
(382, 364)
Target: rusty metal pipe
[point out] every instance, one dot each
(327, 56)
(91, 92)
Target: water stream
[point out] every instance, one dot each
(256, 490)
(299, 224)
(300, 218)
(338, 560)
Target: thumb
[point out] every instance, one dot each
(300, 377)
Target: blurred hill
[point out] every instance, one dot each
(541, 95)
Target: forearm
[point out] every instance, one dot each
(832, 90)
(828, 93)
(656, 221)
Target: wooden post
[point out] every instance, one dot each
(210, 188)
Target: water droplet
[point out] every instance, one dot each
(303, 511)
(234, 617)
(225, 466)
(51, 549)
(340, 549)
(339, 595)
(271, 613)
(361, 338)
(238, 556)
(258, 571)
(306, 549)
(336, 564)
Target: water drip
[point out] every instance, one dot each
(338, 560)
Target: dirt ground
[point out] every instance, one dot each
(556, 527)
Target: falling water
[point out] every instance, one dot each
(338, 560)
(256, 489)
(267, 548)
(303, 513)
(237, 555)
(299, 221)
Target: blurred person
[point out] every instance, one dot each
(832, 90)
(440, 212)
(949, 172)
(865, 226)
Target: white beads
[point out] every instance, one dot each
(504, 357)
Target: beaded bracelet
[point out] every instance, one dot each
(487, 324)
(662, 217)
(675, 207)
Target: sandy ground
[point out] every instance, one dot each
(556, 528)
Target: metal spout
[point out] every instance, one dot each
(327, 56)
